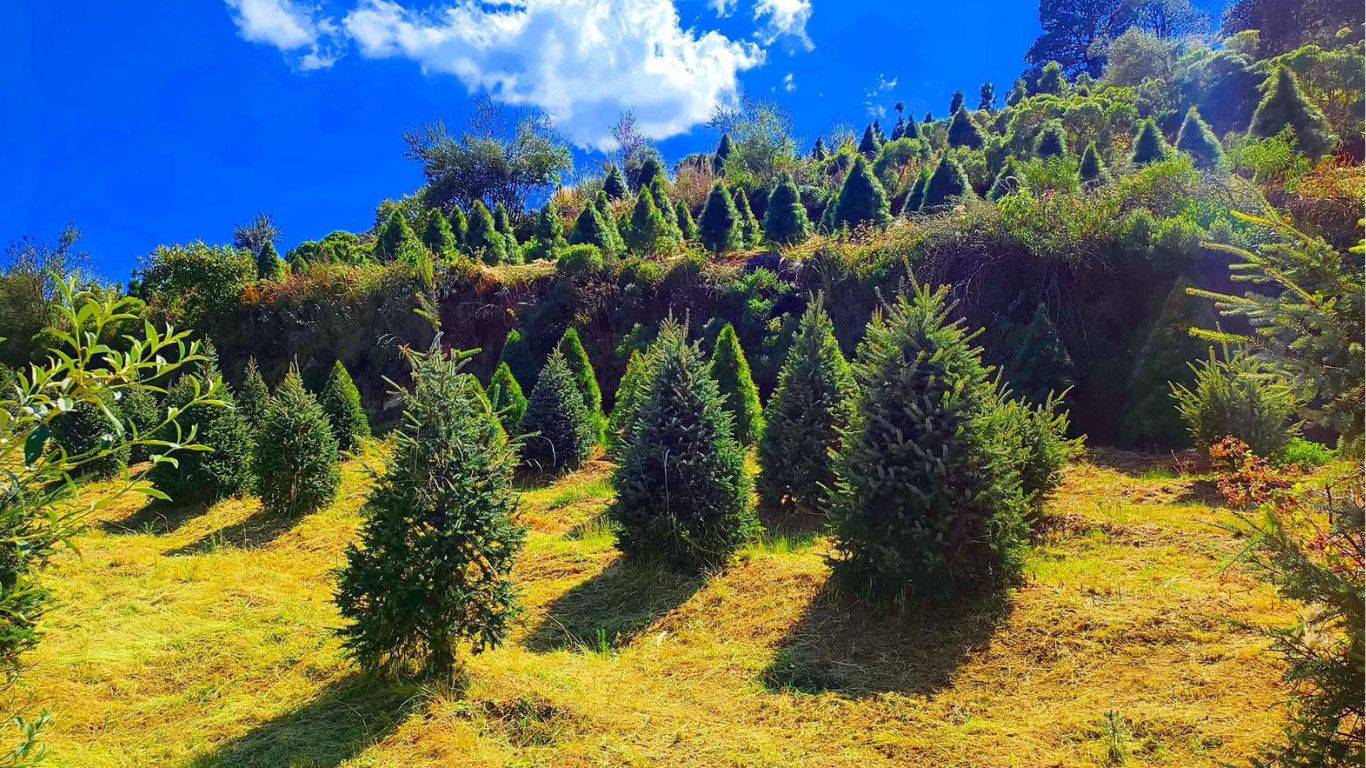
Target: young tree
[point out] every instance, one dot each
(869, 145)
(811, 405)
(1093, 171)
(723, 150)
(502, 221)
(393, 238)
(719, 225)
(434, 566)
(1052, 142)
(296, 452)
(862, 199)
(437, 234)
(506, 398)
(963, 132)
(987, 97)
(1007, 180)
(483, 241)
(518, 358)
(558, 431)
(649, 231)
(1051, 80)
(548, 238)
(682, 489)
(340, 401)
(1150, 146)
(91, 428)
(928, 504)
(818, 150)
(269, 266)
(1038, 365)
(585, 379)
(613, 185)
(460, 226)
(594, 227)
(687, 228)
(730, 369)
(1239, 396)
(785, 220)
(749, 225)
(911, 205)
(911, 130)
(1164, 360)
(1197, 140)
(225, 468)
(252, 394)
(627, 404)
(947, 184)
(1285, 106)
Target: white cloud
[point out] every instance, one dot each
(789, 83)
(582, 62)
(873, 96)
(289, 27)
(783, 19)
(722, 8)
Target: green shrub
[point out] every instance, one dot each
(812, 403)
(506, 398)
(785, 220)
(1007, 180)
(596, 228)
(576, 357)
(140, 413)
(613, 185)
(341, 402)
(394, 237)
(730, 369)
(581, 259)
(1306, 454)
(1051, 142)
(548, 237)
(682, 488)
(928, 504)
(1240, 396)
(296, 452)
(434, 564)
(749, 225)
(687, 228)
(225, 467)
(1037, 433)
(482, 240)
(649, 231)
(89, 429)
(558, 431)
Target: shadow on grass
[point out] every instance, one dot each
(1144, 466)
(613, 608)
(796, 529)
(344, 720)
(156, 518)
(258, 530)
(845, 646)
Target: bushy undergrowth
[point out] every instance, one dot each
(1238, 395)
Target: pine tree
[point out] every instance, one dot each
(911, 131)
(811, 405)
(650, 173)
(785, 220)
(1017, 94)
(1285, 106)
(483, 241)
(1197, 140)
(1164, 360)
(899, 131)
(502, 221)
(558, 431)
(340, 400)
(723, 150)
(986, 97)
(1093, 171)
(517, 355)
(687, 228)
(947, 184)
(861, 199)
(548, 237)
(927, 506)
(1050, 79)
(393, 238)
(437, 234)
(649, 231)
(296, 452)
(1150, 146)
(719, 224)
(460, 226)
(682, 491)
(269, 266)
(433, 567)
(626, 404)
(506, 398)
(749, 226)
(576, 357)
(916, 196)
(1052, 142)
(252, 395)
(1007, 180)
(730, 369)
(225, 469)
(963, 132)
(956, 102)
(596, 228)
(1038, 363)
(818, 150)
(613, 185)
(869, 146)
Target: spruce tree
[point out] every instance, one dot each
(576, 357)
(1017, 94)
(1164, 360)
(483, 241)
(1150, 146)
(812, 403)
(649, 231)
(749, 226)
(987, 97)
(928, 506)
(502, 221)
(785, 220)
(1285, 106)
(719, 224)
(1007, 180)
(963, 132)
(613, 185)
(911, 131)
(899, 131)
(558, 431)
(506, 398)
(393, 238)
(139, 412)
(87, 428)
(916, 196)
(869, 146)
(296, 452)
(1038, 364)
(437, 234)
(518, 358)
(956, 102)
(730, 369)
(548, 237)
(626, 404)
(460, 226)
(340, 400)
(723, 150)
(269, 265)
(1050, 79)
(687, 228)
(682, 491)
(1052, 142)
(225, 469)
(861, 199)
(947, 184)
(1093, 171)
(595, 227)
(1197, 140)
(433, 567)
(253, 394)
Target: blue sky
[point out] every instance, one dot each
(164, 121)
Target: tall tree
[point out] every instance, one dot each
(986, 100)
(1071, 29)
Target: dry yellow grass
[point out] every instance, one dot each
(204, 639)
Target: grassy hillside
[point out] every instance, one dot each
(203, 638)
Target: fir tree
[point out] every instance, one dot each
(956, 102)
(649, 231)
(576, 357)
(626, 404)
(1007, 180)
(1038, 363)
(394, 238)
(730, 369)
(861, 199)
(502, 221)
(811, 405)
(595, 228)
(296, 452)
(963, 132)
(1052, 142)
(1017, 94)
(818, 150)
(548, 237)
(437, 234)
(916, 196)
(1197, 140)
(869, 146)
(1164, 360)
(911, 130)
(785, 220)
(253, 394)
(723, 150)
(1050, 79)
(483, 241)
(433, 567)
(928, 505)
(682, 492)
(719, 224)
(460, 226)
(89, 427)
(340, 400)
(1285, 106)
(947, 184)
(225, 469)
(687, 228)
(613, 185)
(269, 265)
(558, 431)
(1150, 146)
(650, 173)
(517, 355)
(506, 398)
(1093, 171)
(899, 130)
(986, 97)
(749, 225)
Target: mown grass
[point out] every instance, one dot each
(203, 638)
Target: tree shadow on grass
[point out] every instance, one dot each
(798, 529)
(845, 646)
(156, 518)
(345, 719)
(613, 608)
(258, 530)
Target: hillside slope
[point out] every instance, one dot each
(203, 639)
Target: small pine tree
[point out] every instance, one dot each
(340, 400)
(483, 241)
(1050, 79)
(222, 470)
(1242, 396)
(749, 226)
(649, 231)
(811, 405)
(956, 102)
(1052, 142)
(1093, 171)
(1197, 140)
(862, 199)
(723, 150)
(928, 504)
(595, 227)
(506, 398)
(253, 394)
(963, 132)
(518, 358)
(576, 357)
(987, 97)
(269, 265)
(869, 146)
(613, 185)
(434, 564)
(687, 228)
(1038, 364)
(502, 221)
(730, 369)
(460, 226)
(548, 238)
(1164, 360)
(682, 491)
(1007, 180)
(785, 220)
(947, 184)
(437, 234)
(296, 452)
(626, 404)
(1285, 106)
(719, 225)
(557, 429)
(1150, 146)
(650, 173)
(1017, 94)
(916, 196)
(393, 238)
(911, 130)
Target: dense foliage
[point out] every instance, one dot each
(296, 452)
(558, 430)
(340, 400)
